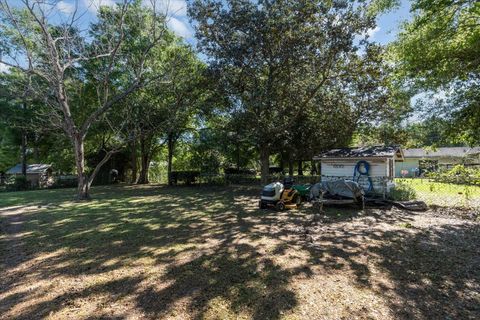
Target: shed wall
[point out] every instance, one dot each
(335, 169)
(342, 168)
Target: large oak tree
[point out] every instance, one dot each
(275, 58)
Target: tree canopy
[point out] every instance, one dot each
(281, 61)
(437, 51)
(266, 83)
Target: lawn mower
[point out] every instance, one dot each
(282, 196)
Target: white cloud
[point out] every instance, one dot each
(176, 8)
(371, 32)
(94, 5)
(65, 7)
(4, 68)
(179, 27)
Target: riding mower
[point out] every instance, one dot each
(282, 196)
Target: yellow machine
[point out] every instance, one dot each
(281, 196)
(289, 199)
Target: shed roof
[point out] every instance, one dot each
(31, 168)
(456, 152)
(362, 152)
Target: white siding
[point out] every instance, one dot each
(344, 168)
(333, 169)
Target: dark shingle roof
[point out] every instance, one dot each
(31, 168)
(360, 152)
(456, 152)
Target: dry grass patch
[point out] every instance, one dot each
(209, 253)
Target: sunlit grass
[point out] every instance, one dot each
(444, 194)
(209, 253)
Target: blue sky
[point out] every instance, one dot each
(387, 24)
(385, 32)
(176, 11)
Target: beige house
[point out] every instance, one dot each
(420, 160)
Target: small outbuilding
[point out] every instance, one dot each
(372, 167)
(38, 175)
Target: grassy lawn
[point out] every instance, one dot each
(444, 194)
(156, 252)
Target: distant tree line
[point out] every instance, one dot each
(277, 82)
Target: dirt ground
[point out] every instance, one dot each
(158, 253)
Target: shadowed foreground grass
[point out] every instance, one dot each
(209, 253)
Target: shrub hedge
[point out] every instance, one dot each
(18, 183)
(459, 174)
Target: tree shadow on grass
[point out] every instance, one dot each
(427, 272)
(237, 275)
(436, 272)
(103, 236)
(206, 252)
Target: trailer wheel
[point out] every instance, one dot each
(297, 200)
(361, 203)
(318, 206)
(261, 204)
(280, 206)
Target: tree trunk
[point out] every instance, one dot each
(84, 182)
(282, 163)
(300, 167)
(290, 166)
(145, 162)
(83, 185)
(24, 145)
(24, 153)
(264, 164)
(313, 168)
(36, 153)
(143, 177)
(134, 160)
(238, 156)
(170, 146)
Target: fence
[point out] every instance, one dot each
(457, 179)
(254, 180)
(459, 174)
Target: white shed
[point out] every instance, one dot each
(372, 167)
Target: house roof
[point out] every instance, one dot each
(362, 152)
(31, 168)
(456, 152)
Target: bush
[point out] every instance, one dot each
(241, 179)
(212, 179)
(64, 182)
(187, 177)
(459, 174)
(402, 192)
(236, 171)
(18, 183)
